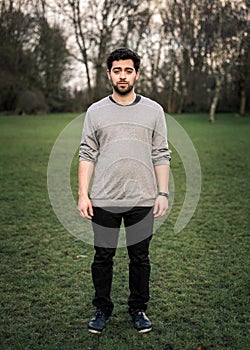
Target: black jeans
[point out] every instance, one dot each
(138, 223)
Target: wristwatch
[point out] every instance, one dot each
(165, 194)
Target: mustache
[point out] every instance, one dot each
(122, 81)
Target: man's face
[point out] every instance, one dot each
(123, 76)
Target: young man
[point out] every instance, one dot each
(125, 141)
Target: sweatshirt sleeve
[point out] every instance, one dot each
(161, 154)
(89, 144)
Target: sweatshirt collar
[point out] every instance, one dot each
(137, 99)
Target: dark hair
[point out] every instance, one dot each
(123, 54)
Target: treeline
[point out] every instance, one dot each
(33, 62)
(195, 53)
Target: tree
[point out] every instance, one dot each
(16, 60)
(100, 26)
(243, 71)
(206, 39)
(181, 25)
(225, 30)
(52, 59)
(33, 59)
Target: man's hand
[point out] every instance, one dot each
(85, 172)
(85, 208)
(161, 203)
(160, 207)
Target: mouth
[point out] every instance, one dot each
(122, 83)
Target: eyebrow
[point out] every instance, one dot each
(117, 67)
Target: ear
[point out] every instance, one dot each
(138, 75)
(108, 74)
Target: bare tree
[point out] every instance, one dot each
(244, 72)
(181, 22)
(16, 60)
(33, 58)
(225, 31)
(98, 27)
(206, 35)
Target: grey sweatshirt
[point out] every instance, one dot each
(125, 143)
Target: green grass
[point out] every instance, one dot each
(200, 277)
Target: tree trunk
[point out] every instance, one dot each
(213, 107)
(243, 97)
(80, 39)
(181, 103)
(169, 102)
(100, 74)
(215, 99)
(183, 94)
(184, 70)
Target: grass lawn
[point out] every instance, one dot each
(200, 276)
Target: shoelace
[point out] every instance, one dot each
(98, 313)
(140, 313)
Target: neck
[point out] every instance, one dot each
(124, 99)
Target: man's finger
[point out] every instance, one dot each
(81, 213)
(155, 208)
(161, 212)
(87, 215)
(91, 210)
(157, 214)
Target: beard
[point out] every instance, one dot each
(123, 91)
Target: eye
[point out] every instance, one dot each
(116, 71)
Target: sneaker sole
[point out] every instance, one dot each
(145, 330)
(94, 331)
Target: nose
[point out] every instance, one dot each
(122, 75)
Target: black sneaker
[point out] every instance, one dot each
(141, 321)
(98, 322)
